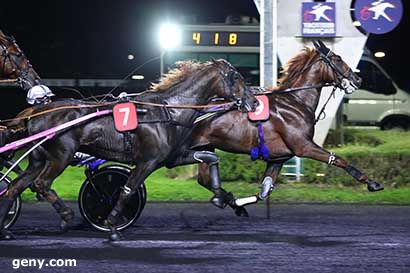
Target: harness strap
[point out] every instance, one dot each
(322, 111)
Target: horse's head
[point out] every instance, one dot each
(231, 85)
(339, 73)
(14, 64)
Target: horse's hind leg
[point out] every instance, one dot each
(42, 186)
(16, 187)
(313, 151)
(204, 179)
(270, 176)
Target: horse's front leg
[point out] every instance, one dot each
(313, 151)
(136, 178)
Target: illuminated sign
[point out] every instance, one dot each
(219, 38)
(378, 16)
(318, 19)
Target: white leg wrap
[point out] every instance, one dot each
(246, 201)
(266, 187)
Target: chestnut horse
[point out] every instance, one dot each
(290, 128)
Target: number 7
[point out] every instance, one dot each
(125, 110)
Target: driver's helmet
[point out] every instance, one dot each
(39, 94)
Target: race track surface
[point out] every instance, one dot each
(196, 237)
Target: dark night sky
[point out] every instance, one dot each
(91, 39)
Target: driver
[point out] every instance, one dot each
(39, 94)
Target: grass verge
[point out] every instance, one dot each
(161, 188)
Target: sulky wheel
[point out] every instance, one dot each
(99, 195)
(16, 207)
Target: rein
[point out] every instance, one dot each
(294, 89)
(9, 81)
(186, 106)
(322, 111)
(226, 105)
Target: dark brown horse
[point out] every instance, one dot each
(289, 130)
(15, 65)
(160, 138)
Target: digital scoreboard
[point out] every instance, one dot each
(219, 38)
(238, 44)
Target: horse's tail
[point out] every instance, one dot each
(15, 129)
(3, 136)
(8, 135)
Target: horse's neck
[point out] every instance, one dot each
(309, 97)
(194, 91)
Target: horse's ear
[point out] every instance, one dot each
(321, 44)
(214, 61)
(323, 47)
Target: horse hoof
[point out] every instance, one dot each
(66, 217)
(241, 212)
(114, 237)
(6, 235)
(218, 202)
(64, 226)
(373, 186)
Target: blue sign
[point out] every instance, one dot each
(318, 19)
(378, 16)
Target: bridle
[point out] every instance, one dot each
(18, 75)
(230, 78)
(342, 79)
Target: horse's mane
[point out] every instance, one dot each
(182, 70)
(3, 37)
(296, 65)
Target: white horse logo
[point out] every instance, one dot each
(260, 107)
(319, 12)
(379, 8)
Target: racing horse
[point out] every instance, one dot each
(14, 64)
(290, 128)
(16, 68)
(160, 137)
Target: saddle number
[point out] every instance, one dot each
(125, 117)
(262, 111)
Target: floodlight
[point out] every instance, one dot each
(169, 36)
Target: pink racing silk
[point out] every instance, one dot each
(50, 133)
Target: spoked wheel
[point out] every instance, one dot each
(98, 197)
(16, 207)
